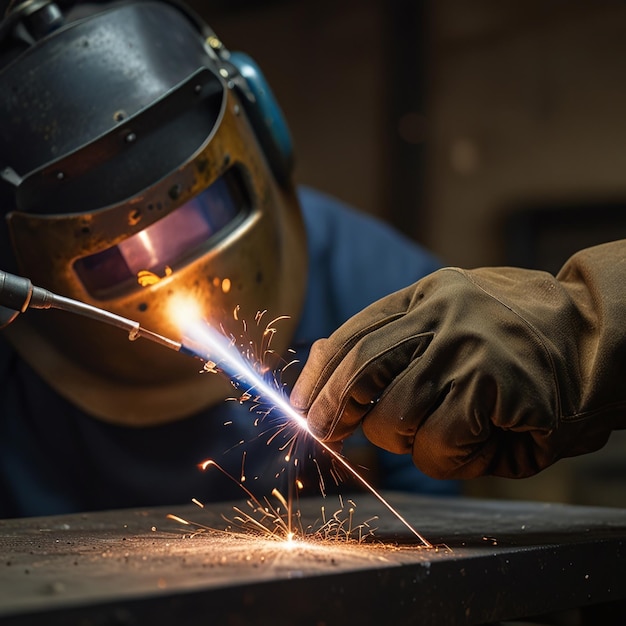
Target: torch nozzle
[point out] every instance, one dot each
(18, 294)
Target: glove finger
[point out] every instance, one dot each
(392, 422)
(426, 419)
(453, 441)
(426, 412)
(361, 378)
(457, 438)
(493, 396)
(327, 354)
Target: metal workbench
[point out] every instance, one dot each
(492, 561)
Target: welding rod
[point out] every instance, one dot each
(18, 294)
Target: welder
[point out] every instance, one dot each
(491, 371)
(141, 160)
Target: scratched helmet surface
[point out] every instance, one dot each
(141, 161)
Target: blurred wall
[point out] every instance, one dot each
(527, 108)
(324, 62)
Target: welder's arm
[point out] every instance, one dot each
(498, 371)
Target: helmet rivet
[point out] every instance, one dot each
(60, 175)
(174, 191)
(197, 88)
(130, 137)
(214, 42)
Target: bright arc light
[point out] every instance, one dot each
(185, 312)
(207, 343)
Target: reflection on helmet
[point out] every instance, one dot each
(177, 235)
(131, 146)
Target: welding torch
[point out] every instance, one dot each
(18, 294)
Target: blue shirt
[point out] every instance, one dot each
(56, 459)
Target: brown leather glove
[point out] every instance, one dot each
(498, 371)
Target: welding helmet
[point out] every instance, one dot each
(140, 160)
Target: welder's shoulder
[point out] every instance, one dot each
(356, 242)
(328, 217)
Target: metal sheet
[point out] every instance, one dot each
(492, 561)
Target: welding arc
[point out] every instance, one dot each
(206, 343)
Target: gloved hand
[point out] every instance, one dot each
(498, 371)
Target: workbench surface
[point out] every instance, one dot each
(489, 561)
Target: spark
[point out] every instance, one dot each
(242, 478)
(274, 523)
(284, 522)
(205, 342)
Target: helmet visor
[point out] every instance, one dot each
(178, 236)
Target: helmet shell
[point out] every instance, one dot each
(114, 123)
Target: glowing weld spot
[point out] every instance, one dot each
(185, 310)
